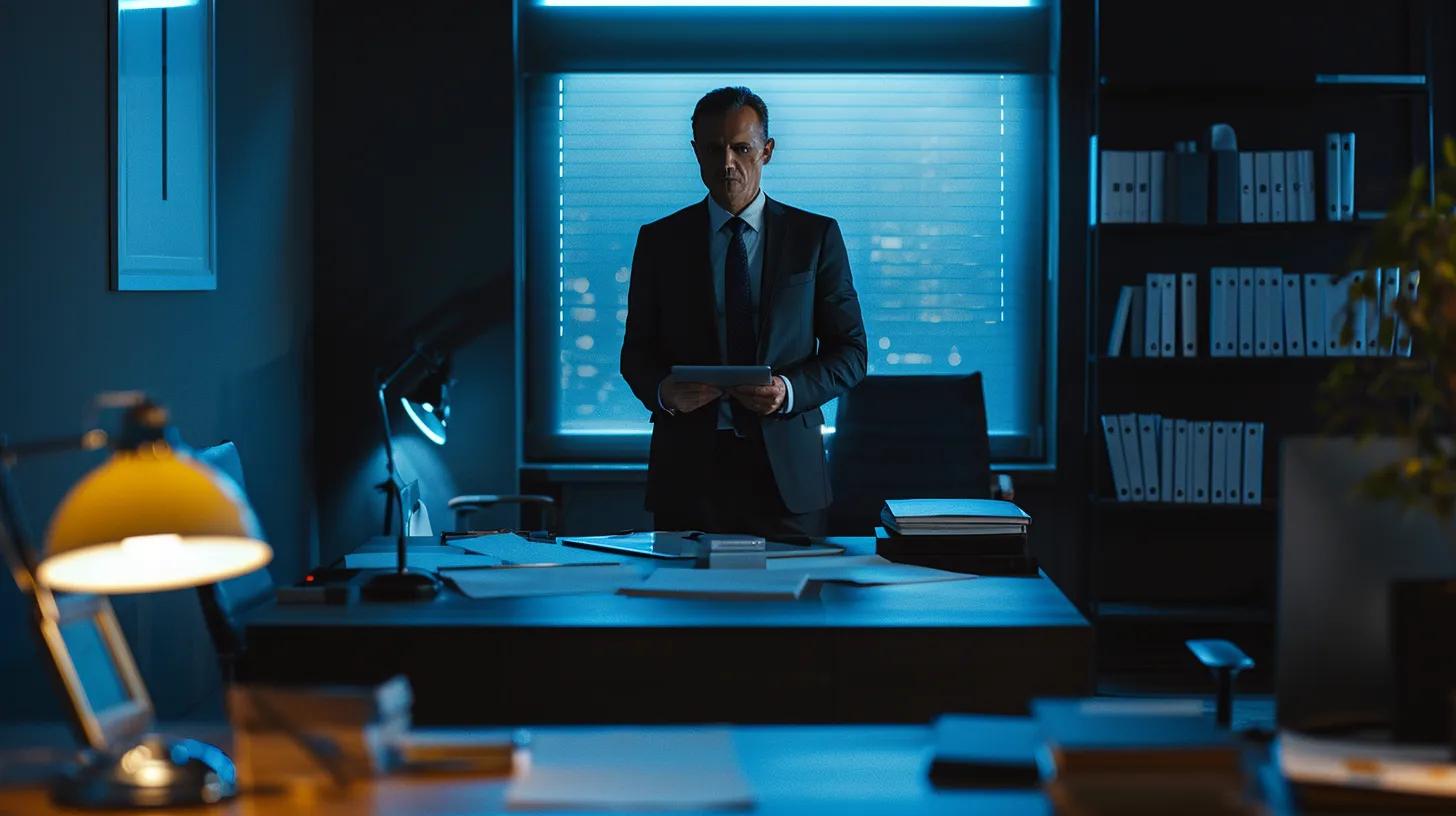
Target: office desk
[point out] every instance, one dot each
(791, 769)
(853, 654)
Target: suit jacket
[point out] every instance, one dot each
(810, 331)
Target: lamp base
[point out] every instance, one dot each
(409, 585)
(156, 772)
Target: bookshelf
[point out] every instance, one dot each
(1195, 570)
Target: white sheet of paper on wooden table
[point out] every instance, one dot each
(721, 584)
(425, 557)
(627, 769)
(514, 549)
(520, 582)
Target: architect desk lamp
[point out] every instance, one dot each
(149, 518)
(423, 380)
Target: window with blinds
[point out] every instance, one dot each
(937, 182)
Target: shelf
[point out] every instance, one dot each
(1365, 220)
(1130, 612)
(1272, 89)
(1269, 506)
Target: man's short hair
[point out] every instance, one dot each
(722, 100)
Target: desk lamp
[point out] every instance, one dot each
(424, 379)
(149, 518)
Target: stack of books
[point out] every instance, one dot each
(982, 536)
(327, 735)
(1129, 757)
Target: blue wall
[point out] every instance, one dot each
(231, 363)
(414, 124)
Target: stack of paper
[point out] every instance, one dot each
(911, 517)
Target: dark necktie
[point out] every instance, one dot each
(738, 310)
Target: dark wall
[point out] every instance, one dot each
(230, 363)
(414, 144)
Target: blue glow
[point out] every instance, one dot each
(438, 437)
(793, 3)
(139, 5)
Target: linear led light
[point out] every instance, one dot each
(793, 3)
(138, 5)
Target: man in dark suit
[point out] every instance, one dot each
(740, 279)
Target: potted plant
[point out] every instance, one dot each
(1413, 398)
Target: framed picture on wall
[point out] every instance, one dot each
(163, 156)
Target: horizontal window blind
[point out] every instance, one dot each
(937, 182)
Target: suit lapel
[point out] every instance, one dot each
(773, 247)
(701, 282)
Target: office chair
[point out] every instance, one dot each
(465, 506)
(225, 602)
(909, 437)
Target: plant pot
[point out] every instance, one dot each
(1423, 651)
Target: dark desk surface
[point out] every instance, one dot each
(853, 654)
(791, 769)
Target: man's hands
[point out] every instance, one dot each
(686, 397)
(761, 399)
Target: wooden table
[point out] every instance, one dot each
(791, 769)
(852, 654)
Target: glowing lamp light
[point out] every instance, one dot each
(151, 518)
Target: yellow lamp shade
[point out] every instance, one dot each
(149, 519)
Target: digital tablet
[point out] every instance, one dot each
(724, 375)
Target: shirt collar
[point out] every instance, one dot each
(752, 214)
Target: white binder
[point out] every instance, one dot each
(1112, 432)
(1293, 316)
(1127, 424)
(1261, 186)
(1293, 185)
(1231, 311)
(1246, 311)
(1233, 463)
(1332, 177)
(1315, 285)
(1142, 186)
(1180, 460)
(1119, 322)
(1129, 186)
(1136, 323)
(1372, 313)
(1268, 312)
(1246, 187)
(1165, 458)
(1168, 303)
(1110, 188)
(1153, 315)
(1389, 291)
(1148, 454)
(1218, 342)
(1410, 282)
(1253, 487)
(1306, 172)
(1157, 183)
(1188, 312)
(1200, 440)
(1217, 466)
(1356, 315)
(1277, 193)
(1347, 177)
(1337, 294)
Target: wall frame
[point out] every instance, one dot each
(163, 156)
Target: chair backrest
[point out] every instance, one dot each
(907, 437)
(224, 602)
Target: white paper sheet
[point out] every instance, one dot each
(627, 769)
(513, 549)
(520, 582)
(425, 557)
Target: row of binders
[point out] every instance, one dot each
(1261, 311)
(1242, 186)
(1180, 461)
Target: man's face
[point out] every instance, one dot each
(731, 154)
